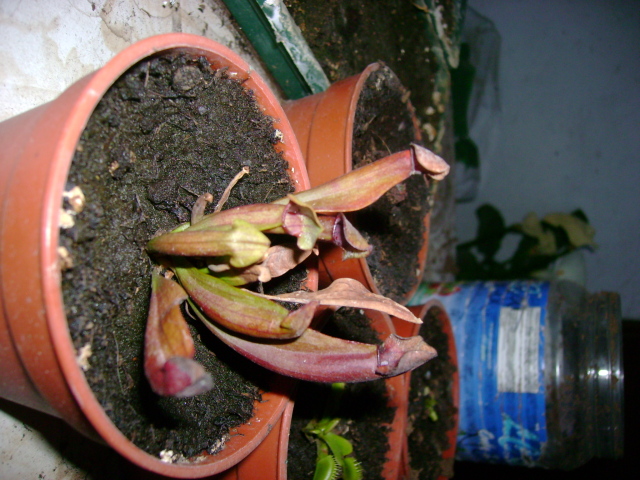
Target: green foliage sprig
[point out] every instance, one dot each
(541, 243)
(335, 457)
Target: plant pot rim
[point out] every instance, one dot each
(420, 311)
(86, 93)
(396, 389)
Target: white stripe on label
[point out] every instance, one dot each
(518, 346)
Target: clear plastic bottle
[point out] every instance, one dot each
(584, 384)
(541, 379)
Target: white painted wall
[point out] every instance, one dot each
(46, 45)
(569, 133)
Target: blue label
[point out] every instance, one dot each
(499, 334)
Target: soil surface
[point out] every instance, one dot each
(431, 391)
(394, 225)
(171, 129)
(363, 409)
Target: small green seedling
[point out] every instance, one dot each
(334, 452)
(430, 406)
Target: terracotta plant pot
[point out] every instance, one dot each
(432, 312)
(269, 459)
(39, 366)
(324, 124)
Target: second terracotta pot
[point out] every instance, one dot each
(324, 124)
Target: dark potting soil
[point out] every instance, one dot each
(362, 409)
(169, 130)
(431, 382)
(394, 224)
(347, 35)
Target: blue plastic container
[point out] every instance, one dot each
(540, 372)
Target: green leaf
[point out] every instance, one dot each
(339, 446)
(326, 468)
(491, 230)
(262, 216)
(325, 425)
(359, 188)
(430, 407)
(321, 427)
(469, 267)
(293, 218)
(278, 260)
(242, 311)
(562, 237)
(241, 242)
(523, 262)
(351, 469)
(579, 213)
(467, 152)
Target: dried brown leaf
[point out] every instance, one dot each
(347, 292)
